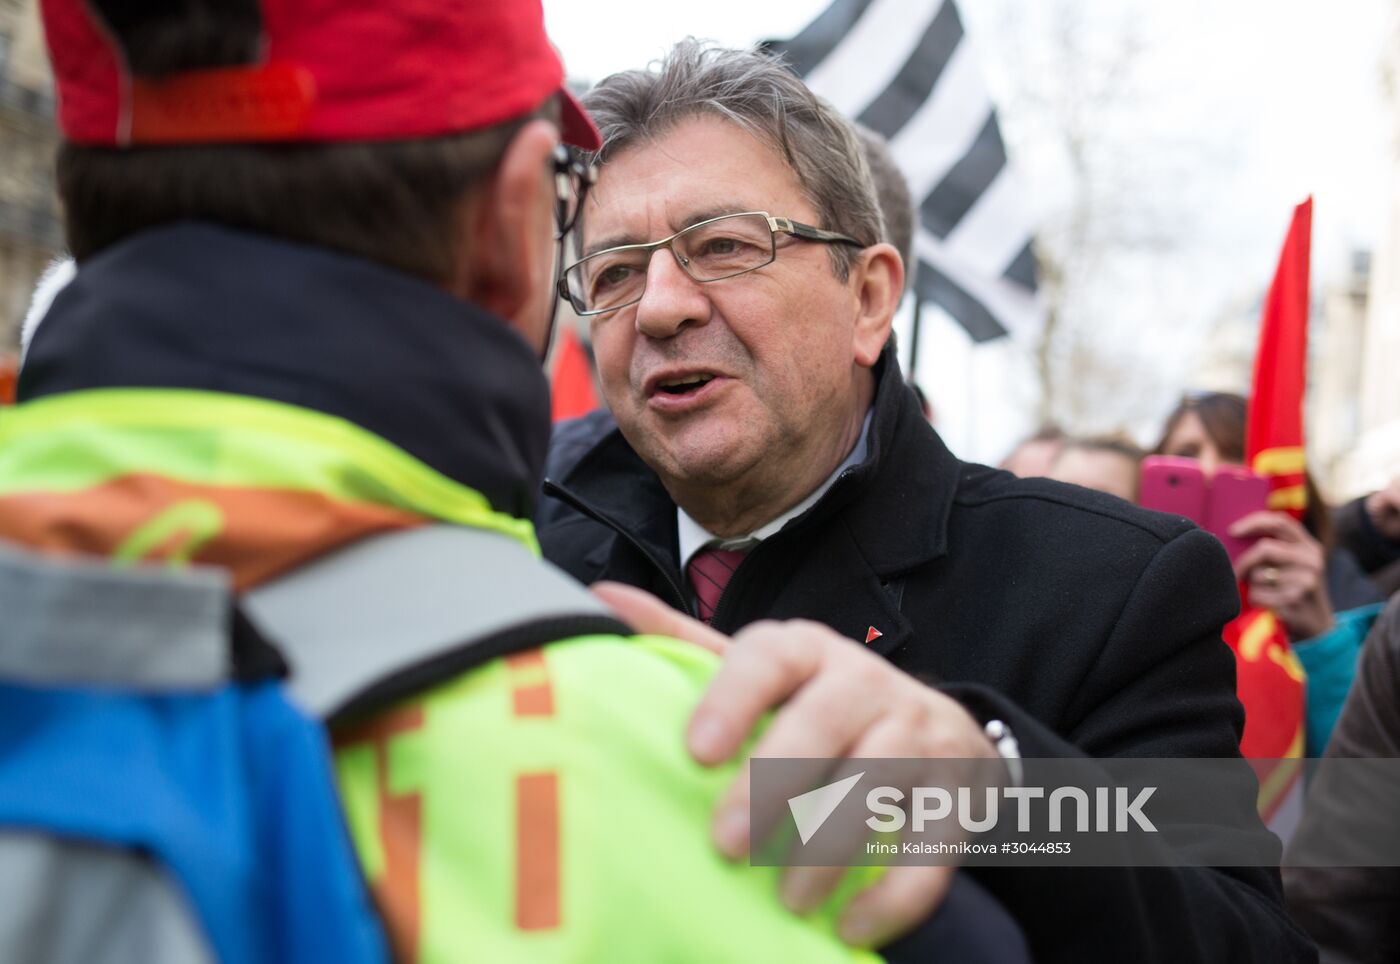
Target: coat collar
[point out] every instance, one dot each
(203, 307)
(896, 503)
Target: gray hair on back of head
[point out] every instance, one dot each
(756, 92)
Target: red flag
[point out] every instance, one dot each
(1270, 682)
(1274, 436)
(1269, 679)
(572, 386)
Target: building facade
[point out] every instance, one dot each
(1373, 456)
(1338, 352)
(30, 228)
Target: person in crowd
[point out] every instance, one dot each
(1354, 912)
(769, 461)
(1034, 457)
(301, 349)
(1316, 589)
(1107, 463)
(1369, 528)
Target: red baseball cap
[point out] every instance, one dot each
(332, 70)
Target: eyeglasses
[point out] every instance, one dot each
(712, 250)
(573, 176)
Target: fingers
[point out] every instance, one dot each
(936, 730)
(903, 897)
(897, 736)
(647, 614)
(840, 707)
(1281, 541)
(1267, 554)
(1277, 525)
(1282, 595)
(821, 722)
(804, 889)
(827, 717)
(1298, 596)
(730, 830)
(765, 665)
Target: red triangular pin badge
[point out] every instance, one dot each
(872, 634)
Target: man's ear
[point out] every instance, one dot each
(878, 276)
(509, 225)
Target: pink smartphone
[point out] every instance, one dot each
(1234, 493)
(1175, 485)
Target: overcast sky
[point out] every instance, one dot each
(1263, 102)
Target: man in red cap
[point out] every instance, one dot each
(299, 364)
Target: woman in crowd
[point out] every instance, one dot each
(1317, 590)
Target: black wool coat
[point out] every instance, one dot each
(1090, 626)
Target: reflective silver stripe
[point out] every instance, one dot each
(74, 902)
(343, 622)
(73, 621)
(356, 616)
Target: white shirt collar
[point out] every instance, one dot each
(693, 536)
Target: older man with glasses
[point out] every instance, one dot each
(769, 461)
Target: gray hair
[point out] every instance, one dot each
(759, 94)
(892, 191)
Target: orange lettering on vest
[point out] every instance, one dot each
(400, 832)
(537, 851)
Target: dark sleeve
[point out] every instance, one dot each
(1348, 587)
(1357, 534)
(969, 927)
(1354, 912)
(1162, 686)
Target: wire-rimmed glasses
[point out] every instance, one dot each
(712, 250)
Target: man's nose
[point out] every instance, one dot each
(672, 299)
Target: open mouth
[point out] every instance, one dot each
(683, 385)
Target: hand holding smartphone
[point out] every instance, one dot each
(1177, 485)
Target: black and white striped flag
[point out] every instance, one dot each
(900, 67)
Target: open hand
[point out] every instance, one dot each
(834, 699)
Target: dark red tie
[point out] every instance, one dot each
(709, 573)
